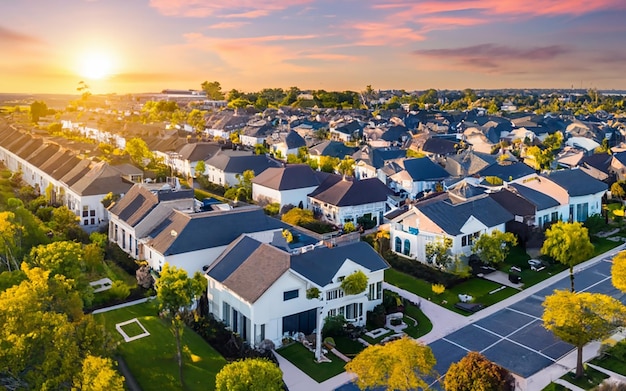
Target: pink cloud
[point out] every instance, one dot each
(331, 57)
(228, 25)
(15, 37)
(378, 34)
(203, 8)
(496, 58)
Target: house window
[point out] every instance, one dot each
(92, 213)
(407, 247)
(375, 291)
(334, 294)
(93, 221)
(353, 311)
(468, 240)
(582, 211)
(85, 211)
(226, 313)
(288, 295)
(262, 332)
(544, 221)
(398, 245)
(86, 222)
(332, 312)
(554, 217)
(123, 239)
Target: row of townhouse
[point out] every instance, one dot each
(257, 282)
(466, 211)
(79, 184)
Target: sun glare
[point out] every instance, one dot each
(96, 65)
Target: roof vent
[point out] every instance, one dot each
(173, 233)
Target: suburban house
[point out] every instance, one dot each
(507, 171)
(255, 133)
(330, 148)
(136, 214)
(288, 144)
(468, 163)
(192, 241)
(223, 167)
(184, 161)
(618, 165)
(288, 185)
(368, 161)
(224, 122)
(260, 290)
(341, 200)
(346, 132)
(530, 207)
(438, 217)
(578, 193)
(416, 176)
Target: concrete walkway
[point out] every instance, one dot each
(568, 385)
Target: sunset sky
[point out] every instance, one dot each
(127, 46)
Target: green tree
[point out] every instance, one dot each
(493, 248)
(249, 374)
(9, 230)
(617, 190)
(581, 317)
(346, 166)
(399, 365)
(297, 216)
(38, 109)
(109, 198)
(195, 119)
(65, 224)
(618, 271)
(139, 152)
(213, 90)
(569, 244)
(176, 292)
(98, 374)
(354, 283)
(200, 168)
(438, 252)
(476, 373)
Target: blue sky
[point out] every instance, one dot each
(149, 45)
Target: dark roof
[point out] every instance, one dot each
(204, 230)
(198, 151)
(621, 157)
(395, 133)
(346, 192)
(101, 179)
(294, 140)
(507, 172)
(332, 148)
(424, 169)
(236, 253)
(135, 205)
(514, 203)
(576, 182)
(464, 191)
(468, 163)
(379, 156)
(451, 217)
(350, 128)
(322, 264)
(540, 200)
(240, 161)
(439, 146)
(292, 176)
(599, 161)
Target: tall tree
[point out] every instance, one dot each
(38, 109)
(249, 375)
(618, 271)
(569, 244)
(98, 374)
(494, 247)
(213, 90)
(581, 317)
(139, 152)
(399, 365)
(8, 246)
(176, 292)
(476, 373)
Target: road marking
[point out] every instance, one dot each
(456, 344)
(515, 342)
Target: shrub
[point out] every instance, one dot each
(334, 326)
(424, 272)
(392, 302)
(349, 227)
(119, 290)
(438, 288)
(272, 209)
(377, 317)
(120, 258)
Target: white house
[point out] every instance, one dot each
(288, 185)
(341, 200)
(224, 166)
(260, 291)
(289, 144)
(439, 217)
(417, 175)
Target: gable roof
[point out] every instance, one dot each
(134, 206)
(451, 217)
(181, 232)
(294, 140)
(396, 133)
(514, 202)
(540, 200)
(240, 161)
(468, 163)
(379, 156)
(292, 176)
(507, 172)
(332, 148)
(323, 263)
(424, 169)
(198, 151)
(576, 182)
(101, 179)
(346, 192)
(439, 146)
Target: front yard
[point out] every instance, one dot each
(151, 359)
(304, 359)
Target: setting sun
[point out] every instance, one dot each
(96, 65)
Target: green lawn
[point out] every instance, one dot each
(476, 287)
(590, 379)
(348, 346)
(423, 327)
(602, 245)
(554, 387)
(611, 363)
(302, 358)
(152, 359)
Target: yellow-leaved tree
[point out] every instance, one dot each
(618, 271)
(398, 365)
(250, 374)
(579, 318)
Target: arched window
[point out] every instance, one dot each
(398, 245)
(407, 247)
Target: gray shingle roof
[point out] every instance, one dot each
(204, 230)
(346, 192)
(451, 217)
(198, 151)
(101, 179)
(507, 172)
(292, 176)
(576, 182)
(332, 148)
(424, 169)
(294, 140)
(135, 205)
(321, 264)
(240, 161)
(540, 200)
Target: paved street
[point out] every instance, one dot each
(509, 331)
